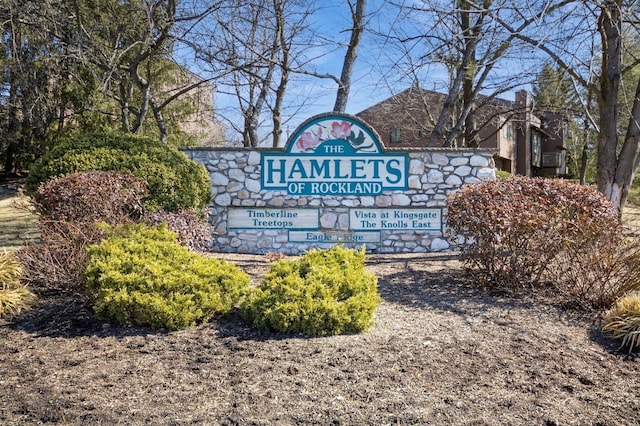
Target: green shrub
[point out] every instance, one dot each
(14, 296)
(174, 181)
(142, 275)
(325, 292)
(521, 231)
(503, 174)
(623, 321)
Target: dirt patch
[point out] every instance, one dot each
(441, 352)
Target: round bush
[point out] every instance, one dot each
(192, 229)
(520, 231)
(175, 182)
(142, 275)
(325, 292)
(97, 196)
(69, 207)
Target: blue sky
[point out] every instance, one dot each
(319, 94)
(374, 78)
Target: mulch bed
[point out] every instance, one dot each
(442, 351)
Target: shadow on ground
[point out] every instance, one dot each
(414, 282)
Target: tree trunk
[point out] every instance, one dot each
(610, 28)
(13, 126)
(357, 16)
(628, 158)
(162, 125)
(252, 122)
(252, 129)
(464, 71)
(124, 107)
(584, 158)
(284, 73)
(583, 161)
(468, 102)
(145, 96)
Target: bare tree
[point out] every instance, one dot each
(604, 27)
(121, 40)
(465, 40)
(128, 46)
(251, 48)
(262, 50)
(586, 38)
(294, 32)
(357, 10)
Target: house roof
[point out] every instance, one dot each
(418, 97)
(416, 111)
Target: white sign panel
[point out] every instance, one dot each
(258, 218)
(396, 219)
(334, 237)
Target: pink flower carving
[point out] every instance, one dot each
(307, 142)
(340, 130)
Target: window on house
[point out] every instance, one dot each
(507, 131)
(395, 136)
(536, 150)
(537, 144)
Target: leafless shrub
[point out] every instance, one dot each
(69, 208)
(520, 232)
(595, 277)
(57, 263)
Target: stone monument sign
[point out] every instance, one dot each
(334, 183)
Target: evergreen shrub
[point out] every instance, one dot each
(141, 275)
(521, 231)
(175, 182)
(324, 292)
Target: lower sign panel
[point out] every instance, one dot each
(333, 237)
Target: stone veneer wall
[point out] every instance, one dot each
(433, 174)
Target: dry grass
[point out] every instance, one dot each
(17, 221)
(14, 296)
(631, 219)
(623, 320)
